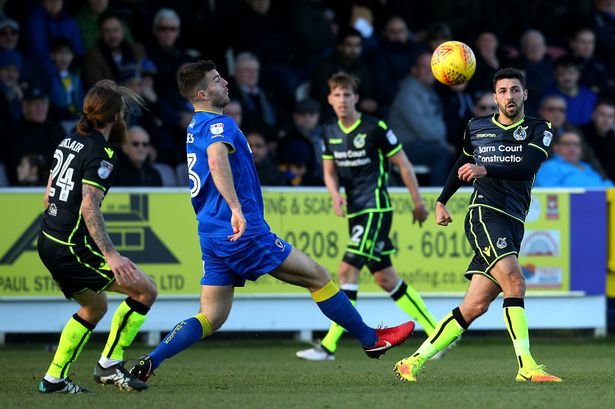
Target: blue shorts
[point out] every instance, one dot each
(228, 262)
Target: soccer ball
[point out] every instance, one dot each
(453, 63)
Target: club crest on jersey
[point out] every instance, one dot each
(501, 243)
(520, 133)
(391, 137)
(105, 169)
(547, 137)
(217, 128)
(359, 140)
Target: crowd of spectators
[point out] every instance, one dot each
(277, 56)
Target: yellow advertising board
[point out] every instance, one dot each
(157, 230)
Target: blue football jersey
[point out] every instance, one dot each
(212, 211)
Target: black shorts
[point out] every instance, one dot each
(75, 268)
(492, 235)
(369, 238)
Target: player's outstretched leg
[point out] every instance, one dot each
(325, 350)
(516, 323)
(448, 330)
(299, 269)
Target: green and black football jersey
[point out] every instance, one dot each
(491, 143)
(77, 160)
(360, 154)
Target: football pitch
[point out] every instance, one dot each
(478, 373)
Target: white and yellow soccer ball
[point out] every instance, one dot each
(453, 63)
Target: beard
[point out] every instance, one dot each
(513, 114)
(119, 132)
(221, 101)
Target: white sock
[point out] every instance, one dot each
(52, 379)
(106, 362)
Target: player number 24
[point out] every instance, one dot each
(64, 173)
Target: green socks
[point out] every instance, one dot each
(446, 332)
(75, 335)
(125, 325)
(410, 301)
(516, 323)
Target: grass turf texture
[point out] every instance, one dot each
(478, 373)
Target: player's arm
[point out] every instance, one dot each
(333, 185)
(400, 159)
(524, 170)
(124, 270)
(452, 184)
(222, 175)
(47, 190)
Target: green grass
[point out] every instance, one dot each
(478, 373)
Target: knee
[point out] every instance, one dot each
(94, 312)
(386, 281)
(474, 310)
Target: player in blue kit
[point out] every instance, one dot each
(236, 242)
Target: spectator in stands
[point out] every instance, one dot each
(34, 133)
(392, 60)
(487, 61)
(314, 28)
(457, 110)
(9, 34)
(580, 100)
(306, 135)
(10, 88)
(347, 58)
(267, 170)
(133, 166)
(113, 54)
(600, 135)
(485, 105)
(566, 169)
(416, 117)
(267, 34)
(87, 20)
(257, 106)
(32, 170)
(604, 27)
(66, 92)
(593, 73)
(293, 160)
(436, 33)
(538, 68)
(162, 146)
(233, 109)
(47, 22)
(553, 108)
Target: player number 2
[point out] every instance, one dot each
(357, 232)
(193, 176)
(64, 174)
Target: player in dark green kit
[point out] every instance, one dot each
(76, 249)
(501, 156)
(357, 156)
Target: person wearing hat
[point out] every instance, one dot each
(9, 34)
(10, 90)
(34, 133)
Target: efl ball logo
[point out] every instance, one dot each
(453, 63)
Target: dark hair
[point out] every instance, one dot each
(509, 73)
(344, 80)
(604, 101)
(348, 32)
(192, 76)
(103, 102)
(108, 15)
(567, 61)
(59, 43)
(42, 168)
